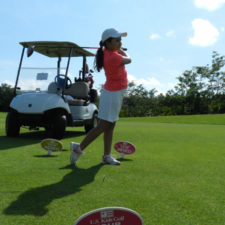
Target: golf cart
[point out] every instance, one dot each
(47, 97)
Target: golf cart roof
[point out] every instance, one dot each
(57, 48)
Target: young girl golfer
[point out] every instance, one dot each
(112, 58)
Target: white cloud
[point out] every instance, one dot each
(170, 33)
(210, 5)
(150, 81)
(9, 82)
(30, 84)
(161, 59)
(155, 36)
(205, 34)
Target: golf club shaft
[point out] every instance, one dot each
(124, 49)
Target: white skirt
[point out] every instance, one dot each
(110, 104)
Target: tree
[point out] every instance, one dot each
(203, 87)
(6, 95)
(136, 102)
(190, 85)
(213, 76)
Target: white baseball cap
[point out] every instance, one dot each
(112, 33)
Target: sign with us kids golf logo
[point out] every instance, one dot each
(51, 145)
(124, 148)
(110, 216)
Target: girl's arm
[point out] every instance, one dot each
(126, 57)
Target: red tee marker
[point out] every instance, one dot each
(110, 216)
(124, 148)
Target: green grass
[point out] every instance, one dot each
(176, 176)
(217, 119)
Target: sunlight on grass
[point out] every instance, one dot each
(175, 177)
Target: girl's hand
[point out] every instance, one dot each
(121, 52)
(126, 57)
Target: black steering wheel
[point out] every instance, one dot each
(59, 79)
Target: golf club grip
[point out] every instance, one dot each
(124, 49)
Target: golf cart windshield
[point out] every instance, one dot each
(38, 78)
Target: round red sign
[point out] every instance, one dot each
(110, 216)
(124, 147)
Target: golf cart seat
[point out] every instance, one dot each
(52, 88)
(79, 92)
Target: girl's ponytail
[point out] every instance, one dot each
(99, 58)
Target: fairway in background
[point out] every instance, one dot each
(217, 119)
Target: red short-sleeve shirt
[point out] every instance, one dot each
(116, 74)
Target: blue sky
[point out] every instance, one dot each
(164, 38)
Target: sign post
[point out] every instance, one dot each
(51, 145)
(124, 148)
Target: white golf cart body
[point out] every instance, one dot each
(54, 102)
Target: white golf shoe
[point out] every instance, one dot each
(109, 159)
(75, 152)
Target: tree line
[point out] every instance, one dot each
(6, 95)
(200, 90)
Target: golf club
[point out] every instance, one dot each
(124, 49)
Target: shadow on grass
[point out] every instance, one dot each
(30, 138)
(51, 155)
(46, 156)
(35, 201)
(125, 160)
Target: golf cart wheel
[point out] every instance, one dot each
(93, 124)
(58, 126)
(12, 125)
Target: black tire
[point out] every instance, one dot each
(58, 126)
(92, 124)
(12, 125)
